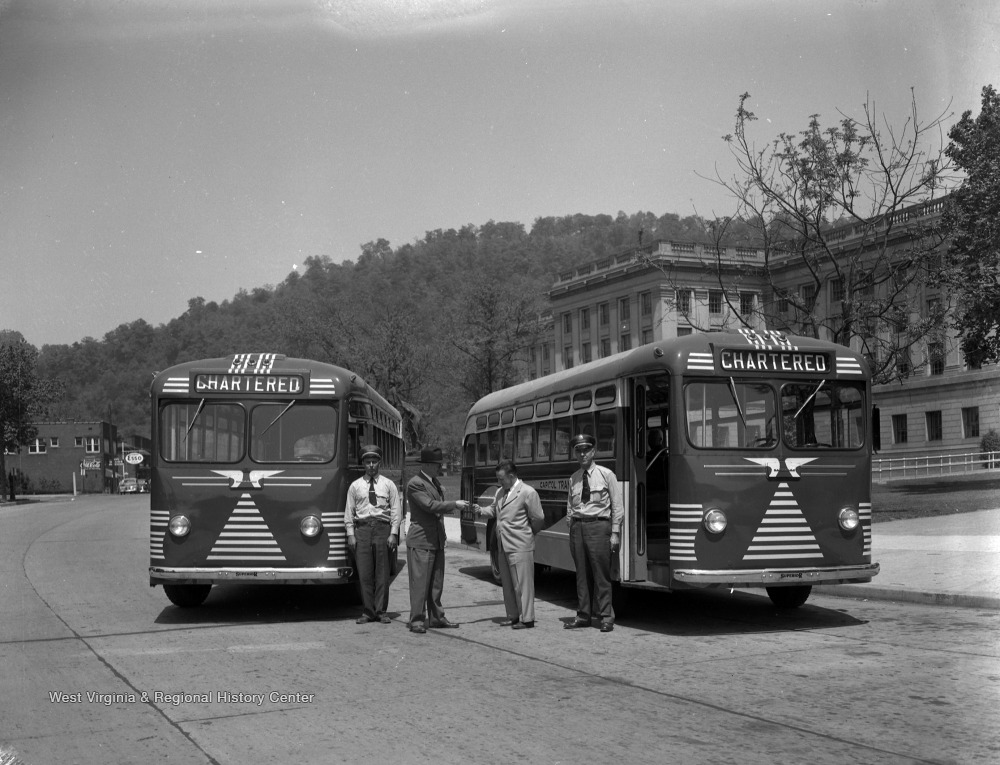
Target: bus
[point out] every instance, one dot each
(252, 457)
(744, 459)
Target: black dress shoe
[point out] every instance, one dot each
(522, 626)
(607, 626)
(509, 622)
(444, 624)
(418, 628)
(576, 624)
(385, 619)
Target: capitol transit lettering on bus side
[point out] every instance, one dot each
(285, 384)
(739, 360)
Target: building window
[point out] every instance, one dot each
(746, 303)
(534, 354)
(603, 315)
(970, 421)
(567, 324)
(37, 446)
(903, 365)
(625, 343)
(899, 428)
(782, 302)
(93, 444)
(568, 356)
(683, 298)
(545, 352)
(584, 319)
(78, 441)
(647, 336)
(605, 347)
(623, 310)
(54, 442)
(933, 425)
(683, 331)
(646, 303)
(584, 353)
(935, 351)
(837, 290)
(807, 293)
(714, 302)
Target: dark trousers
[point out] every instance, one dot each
(590, 546)
(426, 571)
(372, 557)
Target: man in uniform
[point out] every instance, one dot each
(425, 541)
(372, 519)
(595, 512)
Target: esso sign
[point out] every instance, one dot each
(134, 458)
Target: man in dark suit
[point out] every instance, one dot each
(425, 542)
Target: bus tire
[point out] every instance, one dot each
(187, 595)
(495, 565)
(789, 597)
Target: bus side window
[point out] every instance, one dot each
(606, 432)
(470, 450)
(508, 443)
(482, 446)
(584, 423)
(525, 444)
(494, 457)
(563, 434)
(544, 440)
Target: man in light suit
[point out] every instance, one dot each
(519, 517)
(425, 542)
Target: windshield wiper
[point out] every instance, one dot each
(811, 397)
(736, 400)
(201, 405)
(280, 415)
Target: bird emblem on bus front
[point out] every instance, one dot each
(773, 464)
(251, 478)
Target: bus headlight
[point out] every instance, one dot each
(848, 519)
(715, 521)
(310, 526)
(179, 526)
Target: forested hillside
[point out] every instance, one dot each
(433, 324)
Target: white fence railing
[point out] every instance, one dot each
(932, 465)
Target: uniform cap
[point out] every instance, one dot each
(584, 439)
(371, 450)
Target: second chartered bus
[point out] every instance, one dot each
(744, 460)
(252, 457)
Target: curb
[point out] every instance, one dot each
(862, 592)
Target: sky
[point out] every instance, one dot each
(154, 151)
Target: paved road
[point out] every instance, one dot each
(697, 678)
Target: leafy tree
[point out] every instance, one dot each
(791, 196)
(971, 219)
(24, 396)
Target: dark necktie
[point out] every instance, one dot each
(372, 497)
(585, 494)
(439, 487)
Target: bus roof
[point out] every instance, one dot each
(668, 355)
(341, 382)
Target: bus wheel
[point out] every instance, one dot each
(187, 595)
(495, 565)
(789, 597)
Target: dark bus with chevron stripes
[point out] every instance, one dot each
(252, 457)
(744, 460)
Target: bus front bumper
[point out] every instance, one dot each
(214, 575)
(768, 577)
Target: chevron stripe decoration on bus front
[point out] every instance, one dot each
(685, 520)
(700, 362)
(865, 516)
(246, 536)
(335, 532)
(783, 532)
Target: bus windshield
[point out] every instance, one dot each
(826, 413)
(729, 413)
(281, 432)
(200, 431)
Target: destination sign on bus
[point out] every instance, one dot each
(755, 360)
(227, 383)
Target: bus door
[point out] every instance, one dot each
(651, 450)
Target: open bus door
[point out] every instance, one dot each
(653, 425)
(634, 547)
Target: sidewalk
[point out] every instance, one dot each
(949, 560)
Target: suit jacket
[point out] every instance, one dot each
(427, 511)
(519, 517)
